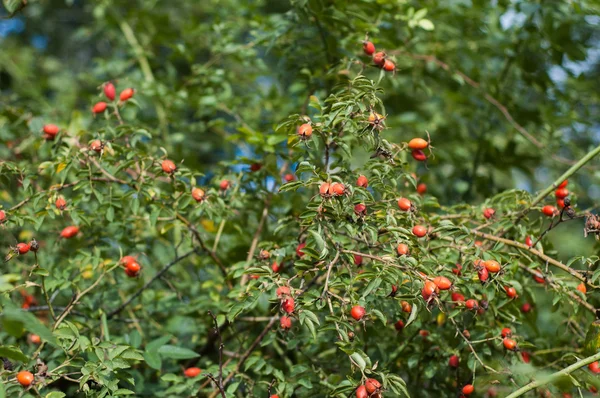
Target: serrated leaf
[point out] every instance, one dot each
(358, 360)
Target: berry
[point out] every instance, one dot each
(126, 94)
(418, 155)
(35, 339)
(394, 291)
(372, 385)
(99, 107)
(2, 216)
(525, 357)
(539, 278)
(550, 211)
(418, 143)
(289, 177)
(368, 47)
(492, 266)
(423, 333)
(192, 372)
(454, 361)
(69, 232)
(22, 248)
(304, 131)
(509, 344)
(563, 184)
(285, 322)
(198, 194)
(360, 209)
(358, 260)
(25, 378)
(471, 304)
(361, 392)
(506, 332)
(362, 181)
(264, 254)
(288, 305)
(132, 269)
(299, 251)
(379, 58)
(126, 260)
(489, 213)
(429, 289)
(442, 283)
(402, 249)
(96, 146)
(511, 292)
(389, 66)
(109, 91)
(483, 274)
(50, 129)
(560, 203)
(255, 166)
(399, 325)
(275, 267)
(581, 287)
(561, 193)
(375, 118)
(324, 189)
(60, 203)
(525, 308)
(283, 291)
(406, 307)
(419, 231)
(224, 185)
(168, 166)
(457, 297)
(34, 246)
(456, 270)
(357, 312)
(528, 241)
(594, 367)
(404, 204)
(468, 389)
(336, 189)
(421, 189)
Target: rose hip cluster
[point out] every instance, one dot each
(379, 58)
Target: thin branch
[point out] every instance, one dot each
(539, 254)
(472, 348)
(329, 267)
(550, 378)
(246, 355)
(220, 377)
(255, 239)
(147, 284)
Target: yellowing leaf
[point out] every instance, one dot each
(61, 167)
(208, 225)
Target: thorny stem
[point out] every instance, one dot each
(219, 381)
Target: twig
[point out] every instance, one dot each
(553, 284)
(472, 348)
(329, 267)
(220, 378)
(254, 243)
(566, 371)
(246, 355)
(147, 284)
(539, 254)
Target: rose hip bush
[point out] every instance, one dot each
(316, 199)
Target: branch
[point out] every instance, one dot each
(572, 170)
(151, 281)
(254, 243)
(539, 254)
(522, 130)
(246, 355)
(219, 381)
(566, 371)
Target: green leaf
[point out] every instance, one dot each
(13, 353)
(56, 394)
(413, 314)
(175, 352)
(153, 359)
(358, 359)
(30, 323)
